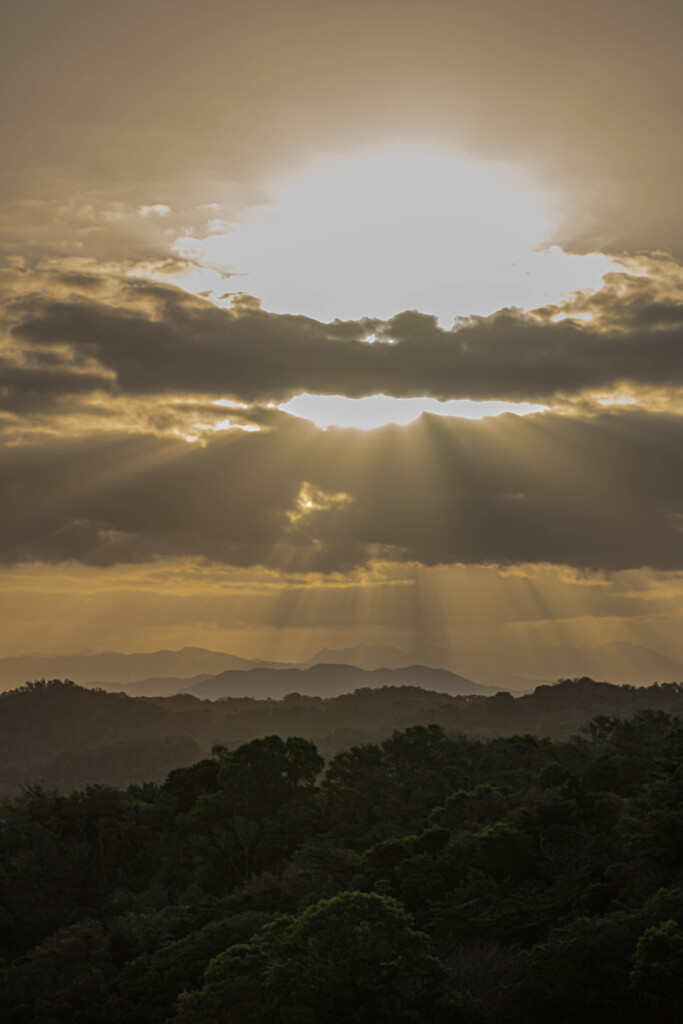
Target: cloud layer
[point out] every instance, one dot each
(104, 380)
(598, 492)
(70, 335)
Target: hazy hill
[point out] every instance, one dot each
(514, 668)
(157, 686)
(330, 681)
(619, 662)
(473, 664)
(68, 736)
(521, 668)
(113, 667)
(368, 656)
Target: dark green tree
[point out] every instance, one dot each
(657, 975)
(354, 959)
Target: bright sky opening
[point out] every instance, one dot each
(379, 410)
(396, 228)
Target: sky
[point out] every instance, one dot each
(326, 324)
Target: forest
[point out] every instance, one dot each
(433, 876)
(67, 736)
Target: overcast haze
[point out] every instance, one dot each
(209, 210)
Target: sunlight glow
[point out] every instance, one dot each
(385, 230)
(312, 499)
(379, 410)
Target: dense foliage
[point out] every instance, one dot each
(428, 878)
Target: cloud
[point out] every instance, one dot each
(31, 389)
(104, 382)
(140, 338)
(592, 492)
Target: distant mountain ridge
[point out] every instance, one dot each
(512, 668)
(522, 667)
(114, 667)
(372, 656)
(618, 662)
(367, 656)
(331, 681)
(157, 686)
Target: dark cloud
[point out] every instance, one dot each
(149, 339)
(598, 492)
(27, 390)
(592, 491)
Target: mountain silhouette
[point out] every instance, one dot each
(330, 681)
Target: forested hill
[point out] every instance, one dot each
(67, 736)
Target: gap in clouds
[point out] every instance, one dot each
(392, 228)
(374, 411)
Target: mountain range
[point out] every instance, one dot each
(195, 669)
(110, 667)
(521, 667)
(331, 680)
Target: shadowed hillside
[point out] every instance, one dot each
(67, 736)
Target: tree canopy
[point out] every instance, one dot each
(428, 877)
